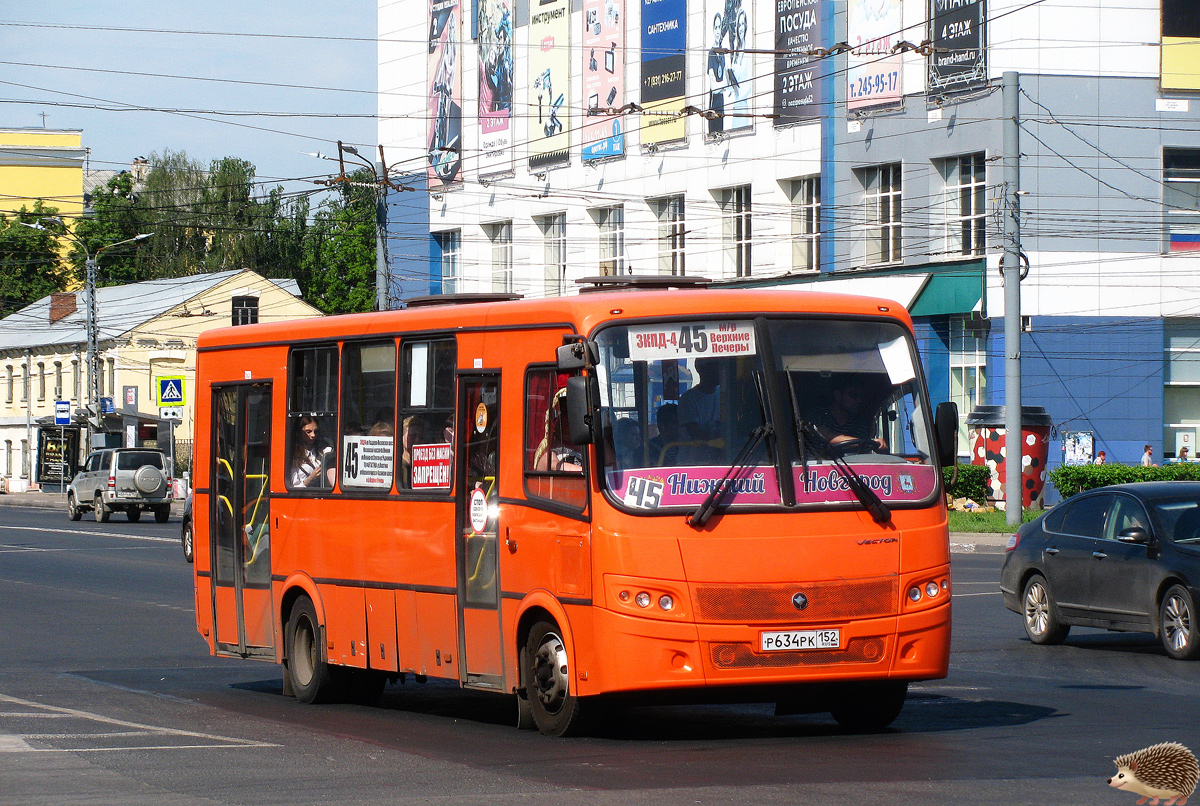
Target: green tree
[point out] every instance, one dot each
(30, 264)
(115, 218)
(338, 275)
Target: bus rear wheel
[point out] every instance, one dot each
(869, 707)
(313, 680)
(546, 671)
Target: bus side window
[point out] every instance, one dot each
(368, 416)
(553, 464)
(426, 413)
(312, 418)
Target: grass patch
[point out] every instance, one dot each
(993, 522)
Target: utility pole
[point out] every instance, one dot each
(1011, 270)
(93, 346)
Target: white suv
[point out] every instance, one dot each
(128, 479)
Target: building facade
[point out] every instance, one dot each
(147, 362)
(849, 145)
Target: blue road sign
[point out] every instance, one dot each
(62, 412)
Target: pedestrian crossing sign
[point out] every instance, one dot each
(170, 390)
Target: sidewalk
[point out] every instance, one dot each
(55, 500)
(960, 542)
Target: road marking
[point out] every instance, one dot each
(16, 742)
(97, 533)
(985, 593)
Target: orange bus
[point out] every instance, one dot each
(673, 494)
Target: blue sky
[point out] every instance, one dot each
(328, 47)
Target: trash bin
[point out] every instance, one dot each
(986, 432)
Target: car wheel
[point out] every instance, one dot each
(101, 510)
(313, 680)
(162, 514)
(73, 511)
(134, 514)
(1177, 627)
(187, 541)
(557, 711)
(869, 707)
(1039, 613)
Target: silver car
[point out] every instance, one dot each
(131, 480)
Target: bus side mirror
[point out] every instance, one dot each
(579, 409)
(576, 355)
(946, 431)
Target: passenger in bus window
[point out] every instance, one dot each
(308, 457)
(552, 453)
(663, 448)
(627, 442)
(849, 414)
(700, 406)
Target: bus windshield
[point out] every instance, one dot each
(784, 411)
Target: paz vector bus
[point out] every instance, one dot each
(647, 491)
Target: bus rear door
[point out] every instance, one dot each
(239, 519)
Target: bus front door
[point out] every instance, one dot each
(478, 504)
(240, 519)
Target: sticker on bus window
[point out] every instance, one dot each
(478, 511)
(652, 488)
(367, 462)
(716, 339)
(824, 484)
(431, 466)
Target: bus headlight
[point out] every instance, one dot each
(666, 602)
(642, 599)
(931, 589)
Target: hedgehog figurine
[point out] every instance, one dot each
(1165, 771)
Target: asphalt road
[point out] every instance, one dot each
(108, 695)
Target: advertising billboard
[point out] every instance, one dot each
(797, 88)
(445, 94)
(603, 78)
(664, 70)
(729, 70)
(872, 72)
(494, 19)
(549, 82)
(958, 61)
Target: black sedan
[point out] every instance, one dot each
(1125, 557)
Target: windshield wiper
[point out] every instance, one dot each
(862, 491)
(706, 509)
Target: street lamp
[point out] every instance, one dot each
(93, 328)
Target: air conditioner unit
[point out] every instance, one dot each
(58, 393)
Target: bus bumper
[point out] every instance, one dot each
(645, 654)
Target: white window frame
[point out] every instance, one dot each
(671, 212)
(964, 204)
(882, 208)
(610, 221)
(806, 223)
(736, 230)
(449, 259)
(500, 235)
(968, 372)
(554, 252)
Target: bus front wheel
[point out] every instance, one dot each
(869, 707)
(547, 676)
(312, 678)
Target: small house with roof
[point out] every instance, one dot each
(147, 365)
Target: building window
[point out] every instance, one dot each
(1181, 198)
(245, 310)
(735, 228)
(8, 398)
(500, 234)
(1181, 379)
(671, 235)
(449, 247)
(964, 204)
(554, 239)
(611, 222)
(8, 457)
(112, 377)
(75, 379)
(25, 459)
(25, 383)
(806, 223)
(41, 381)
(58, 386)
(881, 203)
(968, 369)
